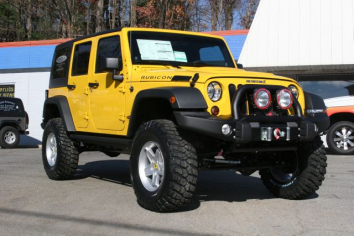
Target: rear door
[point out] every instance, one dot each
(79, 77)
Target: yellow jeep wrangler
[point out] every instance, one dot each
(178, 103)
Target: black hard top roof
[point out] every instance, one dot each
(10, 99)
(69, 43)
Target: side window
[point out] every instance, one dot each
(107, 47)
(212, 54)
(60, 63)
(81, 59)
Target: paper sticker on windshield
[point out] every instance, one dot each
(180, 56)
(155, 50)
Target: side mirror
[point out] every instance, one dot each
(239, 66)
(112, 64)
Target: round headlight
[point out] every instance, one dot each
(294, 90)
(285, 98)
(214, 91)
(262, 98)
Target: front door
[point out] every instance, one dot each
(78, 84)
(107, 102)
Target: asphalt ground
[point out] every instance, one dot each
(101, 201)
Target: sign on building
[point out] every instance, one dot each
(7, 90)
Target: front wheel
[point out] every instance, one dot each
(340, 138)
(9, 137)
(163, 167)
(303, 174)
(60, 156)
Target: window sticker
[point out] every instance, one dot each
(180, 56)
(155, 50)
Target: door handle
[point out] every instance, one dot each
(71, 86)
(93, 85)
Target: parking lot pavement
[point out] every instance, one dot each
(100, 200)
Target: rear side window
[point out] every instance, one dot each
(81, 59)
(107, 47)
(61, 62)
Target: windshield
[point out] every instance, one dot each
(328, 86)
(178, 50)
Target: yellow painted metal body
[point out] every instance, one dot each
(106, 109)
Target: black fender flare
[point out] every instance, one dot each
(62, 104)
(186, 98)
(313, 101)
(12, 122)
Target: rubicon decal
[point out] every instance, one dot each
(156, 77)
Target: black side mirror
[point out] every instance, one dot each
(112, 63)
(240, 66)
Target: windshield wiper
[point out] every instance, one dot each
(196, 64)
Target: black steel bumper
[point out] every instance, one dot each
(251, 129)
(245, 129)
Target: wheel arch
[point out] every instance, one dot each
(55, 107)
(342, 116)
(159, 103)
(11, 123)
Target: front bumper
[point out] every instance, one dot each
(245, 129)
(252, 129)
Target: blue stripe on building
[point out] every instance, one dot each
(26, 57)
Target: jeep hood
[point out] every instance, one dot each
(205, 73)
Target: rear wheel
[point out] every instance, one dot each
(9, 137)
(163, 167)
(340, 138)
(302, 176)
(60, 156)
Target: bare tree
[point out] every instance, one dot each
(133, 13)
(229, 8)
(247, 12)
(99, 16)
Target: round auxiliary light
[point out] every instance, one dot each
(285, 98)
(226, 129)
(294, 90)
(262, 98)
(214, 91)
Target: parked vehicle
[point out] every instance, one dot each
(177, 103)
(338, 97)
(13, 121)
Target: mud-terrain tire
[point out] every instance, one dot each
(332, 137)
(60, 156)
(158, 150)
(9, 137)
(308, 177)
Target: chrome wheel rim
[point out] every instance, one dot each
(151, 166)
(10, 137)
(51, 149)
(343, 139)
